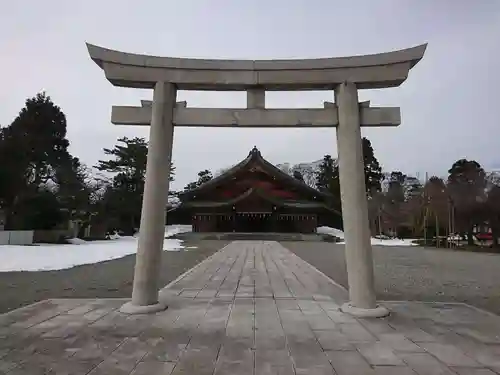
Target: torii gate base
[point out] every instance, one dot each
(343, 75)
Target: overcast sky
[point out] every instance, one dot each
(449, 103)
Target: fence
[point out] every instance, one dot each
(51, 236)
(16, 237)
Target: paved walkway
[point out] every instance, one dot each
(253, 308)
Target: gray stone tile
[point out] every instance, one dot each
(333, 340)
(235, 358)
(472, 371)
(355, 332)
(481, 334)
(487, 355)
(80, 310)
(393, 370)
(153, 367)
(197, 360)
(425, 364)
(399, 342)
(284, 304)
(349, 363)
(329, 305)
(377, 326)
(7, 365)
(309, 357)
(72, 367)
(123, 360)
(29, 368)
(339, 317)
(379, 354)
(319, 321)
(94, 348)
(165, 351)
(450, 355)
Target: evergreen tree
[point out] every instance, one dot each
(492, 210)
(74, 188)
(327, 171)
(32, 149)
(203, 177)
(396, 192)
(327, 180)
(373, 171)
(39, 131)
(327, 177)
(124, 197)
(297, 175)
(395, 201)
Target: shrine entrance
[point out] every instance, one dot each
(343, 76)
(254, 222)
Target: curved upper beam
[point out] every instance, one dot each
(369, 71)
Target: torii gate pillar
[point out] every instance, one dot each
(156, 187)
(358, 251)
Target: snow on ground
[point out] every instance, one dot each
(171, 230)
(45, 257)
(375, 241)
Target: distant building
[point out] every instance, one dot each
(254, 196)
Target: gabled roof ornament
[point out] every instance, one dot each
(254, 151)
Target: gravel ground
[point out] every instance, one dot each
(110, 279)
(416, 273)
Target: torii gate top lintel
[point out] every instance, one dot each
(381, 70)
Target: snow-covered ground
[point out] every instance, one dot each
(375, 241)
(45, 257)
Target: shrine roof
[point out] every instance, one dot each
(253, 156)
(261, 194)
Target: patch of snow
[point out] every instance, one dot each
(76, 241)
(47, 257)
(114, 236)
(394, 242)
(374, 241)
(330, 231)
(171, 230)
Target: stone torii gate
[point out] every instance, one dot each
(344, 75)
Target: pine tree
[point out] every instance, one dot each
(203, 177)
(32, 149)
(124, 199)
(327, 180)
(373, 171)
(298, 176)
(326, 173)
(39, 131)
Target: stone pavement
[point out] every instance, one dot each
(252, 308)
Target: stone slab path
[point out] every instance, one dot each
(252, 308)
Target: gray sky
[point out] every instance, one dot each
(448, 103)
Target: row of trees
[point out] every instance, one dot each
(42, 186)
(402, 205)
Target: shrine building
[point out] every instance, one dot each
(255, 196)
